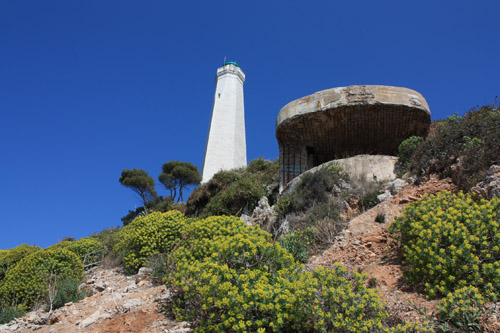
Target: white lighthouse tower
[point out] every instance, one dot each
(226, 143)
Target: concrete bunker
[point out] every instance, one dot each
(347, 121)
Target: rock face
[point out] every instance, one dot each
(263, 215)
(490, 186)
(347, 121)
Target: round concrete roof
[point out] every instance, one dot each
(346, 121)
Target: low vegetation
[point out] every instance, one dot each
(449, 241)
(147, 236)
(451, 247)
(462, 148)
(29, 280)
(318, 203)
(227, 276)
(11, 257)
(235, 192)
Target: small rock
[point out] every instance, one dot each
(14, 327)
(132, 303)
(31, 316)
(141, 283)
(100, 286)
(143, 271)
(397, 185)
(93, 318)
(344, 185)
(384, 196)
(246, 219)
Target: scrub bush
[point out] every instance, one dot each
(461, 309)
(298, 243)
(450, 241)
(147, 236)
(11, 257)
(108, 237)
(315, 202)
(369, 199)
(27, 282)
(462, 148)
(10, 312)
(406, 150)
(67, 291)
(235, 192)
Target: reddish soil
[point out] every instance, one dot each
(367, 246)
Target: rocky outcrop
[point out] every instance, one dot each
(490, 186)
(263, 215)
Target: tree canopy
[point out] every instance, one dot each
(140, 182)
(177, 175)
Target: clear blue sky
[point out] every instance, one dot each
(89, 88)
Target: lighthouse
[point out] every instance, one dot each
(226, 142)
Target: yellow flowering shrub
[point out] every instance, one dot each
(61, 245)
(87, 249)
(27, 281)
(229, 277)
(10, 257)
(149, 235)
(462, 309)
(450, 241)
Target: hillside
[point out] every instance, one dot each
(122, 303)
(334, 252)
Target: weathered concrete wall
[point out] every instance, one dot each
(360, 167)
(348, 121)
(226, 142)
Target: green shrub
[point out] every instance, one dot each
(107, 237)
(235, 191)
(380, 218)
(450, 241)
(61, 245)
(226, 276)
(461, 309)
(67, 291)
(158, 265)
(406, 150)
(11, 257)
(9, 313)
(89, 250)
(27, 282)
(314, 188)
(298, 243)
(369, 199)
(238, 198)
(310, 204)
(462, 148)
(147, 236)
